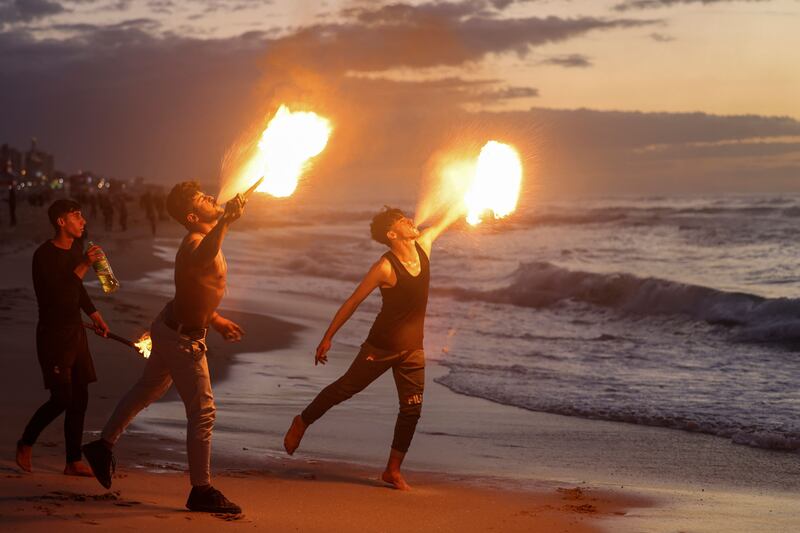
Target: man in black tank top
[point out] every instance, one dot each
(395, 339)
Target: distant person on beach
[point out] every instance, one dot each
(122, 209)
(395, 340)
(146, 202)
(179, 344)
(107, 208)
(92, 206)
(158, 202)
(61, 346)
(12, 205)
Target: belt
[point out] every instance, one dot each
(192, 332)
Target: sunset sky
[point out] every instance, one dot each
(642, 96)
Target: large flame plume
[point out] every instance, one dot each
(284, 151)
(496, 183)
(144, 345)
(473, 187)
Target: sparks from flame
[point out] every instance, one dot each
(285, 149)
(144, 344)
(496, 183)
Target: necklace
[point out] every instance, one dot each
(409, 263)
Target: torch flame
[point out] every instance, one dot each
(287, 144)
(495, 186)
(144, 344)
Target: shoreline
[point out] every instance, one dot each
(38, 501)
(630, 477)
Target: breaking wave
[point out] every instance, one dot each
(638, 215)
(469, 379)
(541, 285)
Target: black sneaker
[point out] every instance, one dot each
(101, 460)
(210, 500)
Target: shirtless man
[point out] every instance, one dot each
(395, 340)
(179, 347)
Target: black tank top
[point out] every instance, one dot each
(401, 322)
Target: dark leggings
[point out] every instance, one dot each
(408, 368)
(72, 398)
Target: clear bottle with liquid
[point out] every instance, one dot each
(104, 273)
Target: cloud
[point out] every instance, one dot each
(26, 11)
(428, 35)
(103, 5)
(89, 32)
(22, 54)
(131, 99)
(451, 91)
(119, 5)
(569, 61)
(737, 148)
(661, 37)
(118, 99)
(13, 11)
(629, 130)
(652, 4)
(165, 7)
(619, 151)
(422, 13)
(214, 6)
(509, 93)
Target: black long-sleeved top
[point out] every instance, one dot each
(59, 291)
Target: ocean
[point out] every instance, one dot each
(672, 312)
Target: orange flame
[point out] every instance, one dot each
(286, 147)
(496, 183)
(475, 188)
(144, 344)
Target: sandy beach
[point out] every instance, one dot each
(475, 465)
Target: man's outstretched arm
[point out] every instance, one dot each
(378, 274)
(431, 233)
(209, 246)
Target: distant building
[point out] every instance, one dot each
(10, 167)
(10, 161)
(38, 164)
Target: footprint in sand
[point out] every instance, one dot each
(571, 494)
(586, 508)
(127, 504)
(230, 517)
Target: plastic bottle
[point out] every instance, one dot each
(104, 273)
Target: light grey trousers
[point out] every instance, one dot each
(175, 359)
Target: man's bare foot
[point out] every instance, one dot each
(294, 435)
(396, 479)
(77, 468)
(24, 453)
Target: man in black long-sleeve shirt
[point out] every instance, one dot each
(58, 269)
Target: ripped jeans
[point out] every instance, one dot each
(181, 360)
(408, 369)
